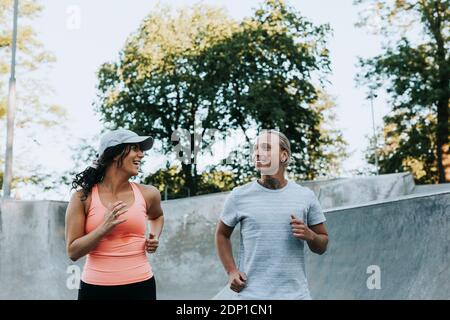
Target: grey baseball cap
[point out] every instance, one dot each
(119, 136)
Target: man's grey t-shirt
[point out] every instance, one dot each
(270, 255)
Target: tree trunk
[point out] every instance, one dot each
(442, 145)
(190, 172)
(189, 179)
(442, 138)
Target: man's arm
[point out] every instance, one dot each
(319, 242)
(236, 278)
(223, 247)
(316, 236)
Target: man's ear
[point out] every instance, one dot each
(284, 157)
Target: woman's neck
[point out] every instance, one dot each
(115, 182)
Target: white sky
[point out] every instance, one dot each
(104, 26)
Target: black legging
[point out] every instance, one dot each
(145, 290)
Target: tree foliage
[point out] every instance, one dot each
(31, 56)
(32, 112)
(196, 69)
(415, 71)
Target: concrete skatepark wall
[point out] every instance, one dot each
(354, 191)
(407, 238)
(403, 232)
(33, 263)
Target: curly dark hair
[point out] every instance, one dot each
(86, 179)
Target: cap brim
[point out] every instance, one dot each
(145, 142)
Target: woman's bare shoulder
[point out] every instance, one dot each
(79, 200)
(148, 191)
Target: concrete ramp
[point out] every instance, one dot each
(33, 263)
(360, 190)
(406, 238)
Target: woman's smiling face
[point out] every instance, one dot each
(132, 162)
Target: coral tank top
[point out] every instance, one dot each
(119, 258)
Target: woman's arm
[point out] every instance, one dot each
(78, 244)
(155, 213)
(155, 216)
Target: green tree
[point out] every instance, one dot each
(267, 75)
(332, 150)
(31, 56)
(171, 184)
(158, 85)
(326, 162)
(32, 113)
(418, 156)
(415, 71)
(199, 70)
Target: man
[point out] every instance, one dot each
(276, 216)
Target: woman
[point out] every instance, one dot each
(106, 220)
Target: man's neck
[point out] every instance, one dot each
(276, 181)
